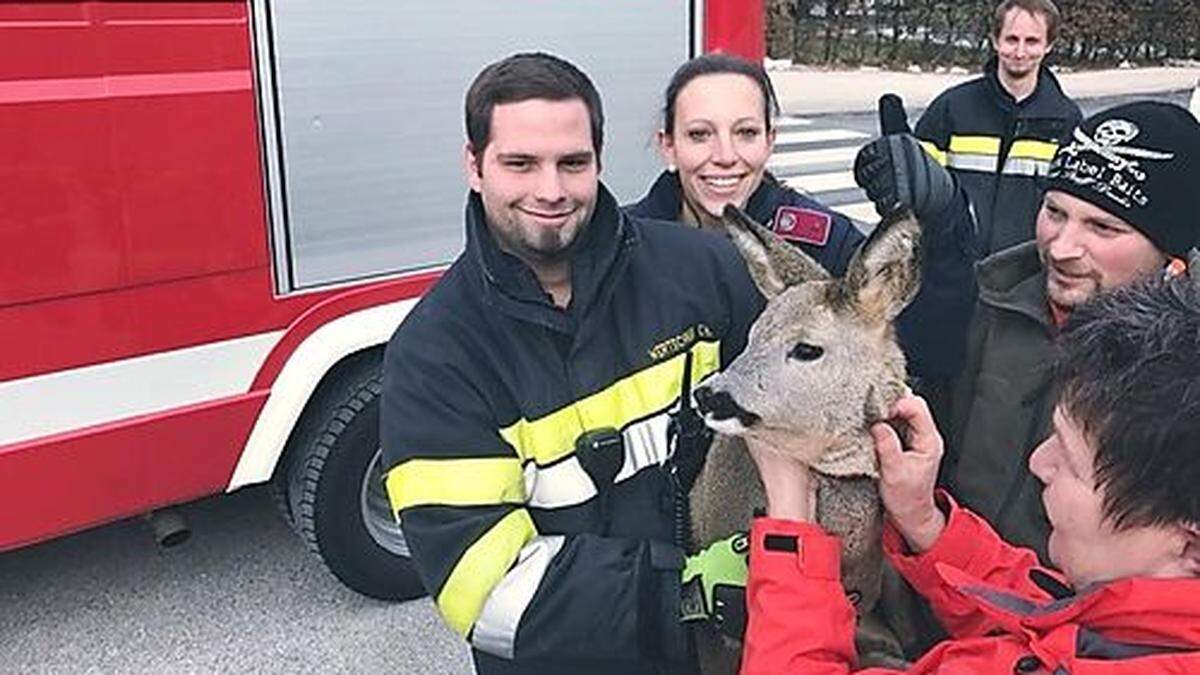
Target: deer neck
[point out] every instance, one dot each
(848, 457)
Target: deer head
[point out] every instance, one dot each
(821, 363)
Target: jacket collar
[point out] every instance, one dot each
(596, 260)
(1143, 612)
(1013, 280)
(1042, 102)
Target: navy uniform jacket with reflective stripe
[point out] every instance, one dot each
(999, 149)
(487, 386)
(932, 330)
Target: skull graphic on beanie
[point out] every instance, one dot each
(1140, 162)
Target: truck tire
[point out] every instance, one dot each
(335, 492)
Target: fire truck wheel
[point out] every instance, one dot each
(335, 492)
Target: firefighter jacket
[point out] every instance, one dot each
(931, 328)
(1004, 613)
(999, 408)
(999, 148)
(524, 444)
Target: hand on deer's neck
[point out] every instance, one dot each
(908, 472)
(791, 493)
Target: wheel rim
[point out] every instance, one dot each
(377, 510)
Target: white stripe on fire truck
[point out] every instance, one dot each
(107, 392)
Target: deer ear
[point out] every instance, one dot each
(1193, 266)
(774, 264)
(885, 274)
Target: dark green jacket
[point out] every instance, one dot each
(1000, 407)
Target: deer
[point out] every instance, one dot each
(821, 365)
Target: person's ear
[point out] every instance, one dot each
(1191, 549)
(473, 166)
(666, 148)
(771, 140)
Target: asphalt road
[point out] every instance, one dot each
(243, 595)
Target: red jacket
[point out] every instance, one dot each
(1005, 613)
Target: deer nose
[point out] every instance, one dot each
(721, 406)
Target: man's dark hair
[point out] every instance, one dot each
(1130, 375)
(717, 64)
(1046, 8)
(526, 76)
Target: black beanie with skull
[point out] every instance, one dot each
(1140, 162)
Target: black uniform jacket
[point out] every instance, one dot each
(999, 149)
(524, 443)
(932, 329)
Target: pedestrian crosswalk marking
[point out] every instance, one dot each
(822, 182)
(798, 158)
(789, 121)
(861, 211)
(824, 172)
(817, 136)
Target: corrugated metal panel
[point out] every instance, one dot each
(368, 115)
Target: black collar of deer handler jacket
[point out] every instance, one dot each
(597, 256)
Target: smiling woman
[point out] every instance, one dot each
(716, 137)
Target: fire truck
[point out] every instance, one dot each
(213, 215)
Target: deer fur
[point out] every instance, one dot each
(820, 366)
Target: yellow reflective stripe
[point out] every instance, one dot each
(976, 145)
(482, 567)
(476, 481)
(550, 438)
(935, 152)
(1027, 148)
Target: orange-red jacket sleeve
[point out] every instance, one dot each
(967, 548)
(799, 618)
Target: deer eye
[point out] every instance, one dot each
(805, 352)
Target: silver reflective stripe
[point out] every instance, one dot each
(645, 445)
(1013, 166)
(496, 628)
(1026, 166)
(970, 162)
(566, 484)
(557, 486)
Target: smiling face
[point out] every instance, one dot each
(537, 177)
(720, 142)
(1085, 249)
(1022, 44)
(1084, 544)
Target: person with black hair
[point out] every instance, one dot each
(716, 137)
(1118, 477)
(534, 399)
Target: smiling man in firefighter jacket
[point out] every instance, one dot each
(997, 133)
(528, 399)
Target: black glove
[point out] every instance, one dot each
(897, 173)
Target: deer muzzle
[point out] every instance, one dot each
(719, 409)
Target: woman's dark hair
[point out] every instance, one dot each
(717, 64)
(1129, 368)
(526, 76)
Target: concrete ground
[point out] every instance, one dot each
(805, 90)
